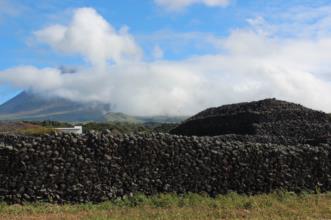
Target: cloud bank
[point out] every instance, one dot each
(175, 5)
(252, 64)
(93, 37)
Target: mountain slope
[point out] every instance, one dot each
(28, 106)
(121, 117)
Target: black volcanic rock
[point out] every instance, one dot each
(95, 167)
(268, 117)
(274, 145)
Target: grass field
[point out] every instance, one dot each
(279, 205)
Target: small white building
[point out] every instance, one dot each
(75, 130)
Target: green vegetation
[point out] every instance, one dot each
(125, 127)
(36, 131)
(121, 117)
(160, 127)
(24, 128)
(50, 124)
(116, 127)
(161, 119)
(278, 205)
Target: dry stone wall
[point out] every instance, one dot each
(100, 166)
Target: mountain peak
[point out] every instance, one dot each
(30, 106)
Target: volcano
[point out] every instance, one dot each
(30, 106)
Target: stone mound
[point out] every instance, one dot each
(269, 117)
(259, 147)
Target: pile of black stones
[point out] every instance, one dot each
(100, 166)
(269, 117)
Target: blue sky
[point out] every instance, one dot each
(164, 34)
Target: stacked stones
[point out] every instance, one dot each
(269, 117)
(255, 156)
(100, 166)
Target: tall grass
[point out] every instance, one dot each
(278, 205)
(37, 131)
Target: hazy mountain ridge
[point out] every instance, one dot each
(31, 107)
(28, 106)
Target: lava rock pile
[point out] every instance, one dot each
(258, 147)
(269, 117)
(100, 166)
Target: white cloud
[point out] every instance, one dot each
(10, 9)
(179, 43)
(158, 53)
(175, 5)
(92, 36)
(299, 21)
(252, 64)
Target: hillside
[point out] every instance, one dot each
(28, 106)
(20, 128)
(121, 117)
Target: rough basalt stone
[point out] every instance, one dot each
(250, 148)
(269, 117)
(100, 166)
